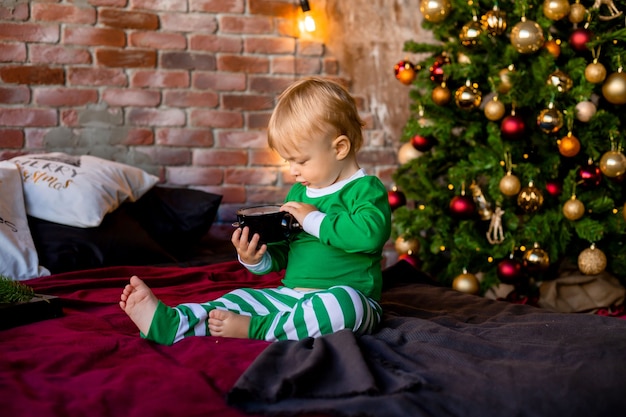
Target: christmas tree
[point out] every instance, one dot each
(512, 167)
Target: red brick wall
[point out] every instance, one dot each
(180, 88)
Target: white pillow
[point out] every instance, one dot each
(18, 256)
(78, 190)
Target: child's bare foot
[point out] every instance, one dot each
(228, 324)
(140, 303)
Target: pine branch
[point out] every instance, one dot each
(14, 291)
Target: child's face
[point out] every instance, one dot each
(314, 165)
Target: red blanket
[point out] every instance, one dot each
(92, 362)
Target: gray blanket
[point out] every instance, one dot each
(442, 353)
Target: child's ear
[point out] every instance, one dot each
(342, 147)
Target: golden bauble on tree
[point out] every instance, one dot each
(562, 81)
(435, 10)
(467, 283)
(505, 84)
(470, 32)
(494, 109)
(550, 120)
(527, 36)
(494, 21)
(405, 72)
(573, 209)
(530, 198)
(577, 13)
(407, 246)
(510, 185)
(441, 95)
(613, 164)
(407, 152)
(591, 261)
(595, 72)
(556, 9)
(614, 88)
(554, 47)
(536, 259)
(468, 97)
(569, 145)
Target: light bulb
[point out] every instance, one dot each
(306, 22)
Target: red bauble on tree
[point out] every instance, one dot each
(396, 198)
(554, 187)
(462, 207)
(437, 71)
(510, 271)
(590, 175)
(513, 127)
(422, 143)
(578, 39)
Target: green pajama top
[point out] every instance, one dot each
(356, 226)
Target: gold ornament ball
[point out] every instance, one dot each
(505, 81)
(441, 95)
(577, 13)
(530, 198)
(573, 209)
(553, 47)
(494, 110)
(585, 110)
(435, 10)
(614, 88)
(527, 37)
(463, 59)
(591, 261)
(569, 145)
(407, 152)
(510, 185)
(469, 33)
(556, 9)
(613, 164)
(406, 246)
(561, 81)
(467, 97)
(494, 21)
(550, 120)
(536, 259)
(467, 283)
(595, 72)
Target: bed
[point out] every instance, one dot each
(438, 352)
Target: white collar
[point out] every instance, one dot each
(320, 192)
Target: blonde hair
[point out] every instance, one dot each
(314, 108)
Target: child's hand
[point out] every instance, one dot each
(298, 210)
(248, 252)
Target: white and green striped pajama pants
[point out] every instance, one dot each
(276, 314)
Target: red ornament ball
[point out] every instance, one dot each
(578, 39)
(396, 199)
(513, 127)
(590, 175)
(405, 72)
(410, 259)
(462, 207)
(510, 271)
(422, 143)
(554, 187)
(437, 71)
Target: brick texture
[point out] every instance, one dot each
(188, 85)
